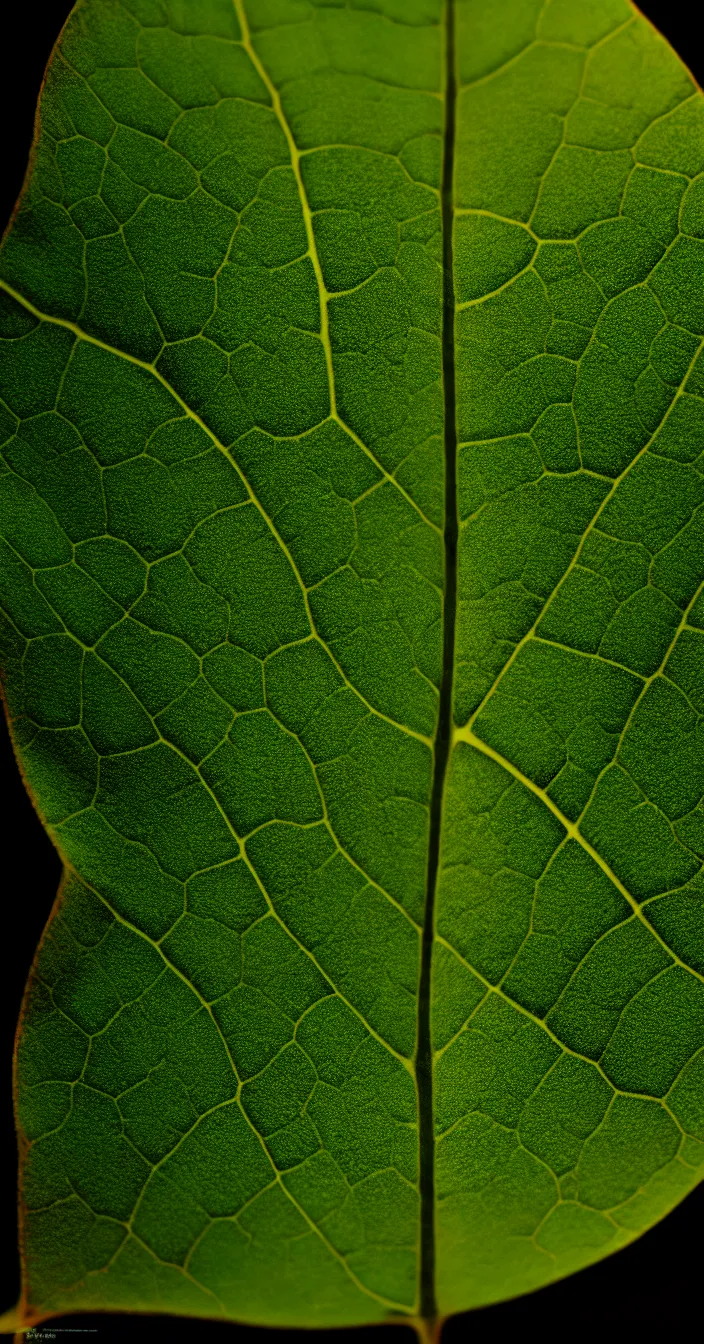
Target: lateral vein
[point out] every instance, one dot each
(572, 828)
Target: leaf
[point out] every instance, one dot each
(352, 371)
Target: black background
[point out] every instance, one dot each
(653, 1284)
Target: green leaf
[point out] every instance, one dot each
(352, 558)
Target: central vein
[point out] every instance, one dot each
(424, 1055)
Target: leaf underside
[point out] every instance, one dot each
(352, 557)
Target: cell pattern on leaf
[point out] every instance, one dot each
(223, 567)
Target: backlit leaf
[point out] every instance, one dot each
(352, 412)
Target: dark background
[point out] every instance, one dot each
(656, 1282)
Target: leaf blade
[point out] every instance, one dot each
(249, 362)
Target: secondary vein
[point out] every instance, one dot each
(324, 295)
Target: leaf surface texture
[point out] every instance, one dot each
(352, 411)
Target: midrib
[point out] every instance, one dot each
(424, 1056)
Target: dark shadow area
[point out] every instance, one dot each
(652, 1284)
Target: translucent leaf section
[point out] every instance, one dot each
(569, 994)
(223, 505)
(283, 274)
